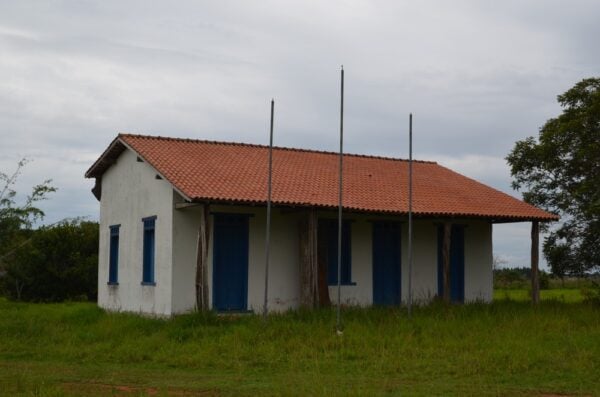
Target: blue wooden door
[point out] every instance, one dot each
(457, 263)
(230, 262)
(386, 263)
(329, 229)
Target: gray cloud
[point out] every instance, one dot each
(477, 75)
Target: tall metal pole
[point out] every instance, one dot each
(268, 232)
(339, 247)
(410, 223)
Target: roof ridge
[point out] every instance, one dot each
(291, 149)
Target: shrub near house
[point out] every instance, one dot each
(56, 264)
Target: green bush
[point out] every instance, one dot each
(591, 293)
(544, 280)
(57, 263)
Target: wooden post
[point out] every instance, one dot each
(313, 227)
(535, 253)
(446, 260)
(323, 267)
(304, 254)
(308, 260)
(202, 260)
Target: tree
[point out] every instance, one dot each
(561, 173)
(498, 262)
(17, 218)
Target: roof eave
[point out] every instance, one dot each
(417, 214)
(109, 157)
(106, 159)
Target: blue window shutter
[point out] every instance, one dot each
(113, 261)
(331, 231)
(346, 253)
(148, 250)
(330, 228)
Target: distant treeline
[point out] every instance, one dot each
(52, 264)
(520, 277)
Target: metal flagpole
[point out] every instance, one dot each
(410, 223)
(339, 253)
(268, 232)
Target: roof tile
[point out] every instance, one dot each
(206, 170)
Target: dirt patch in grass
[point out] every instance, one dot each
(88, 388)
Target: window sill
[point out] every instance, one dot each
(148, 283)
(113, 283)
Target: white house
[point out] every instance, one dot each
(182, 226)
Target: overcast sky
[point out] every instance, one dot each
(478, 76)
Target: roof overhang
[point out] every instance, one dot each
(109, 157)
(416, 214)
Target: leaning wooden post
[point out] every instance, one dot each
(202, 260)
(535, 254)
(313, 224)
(308, 259)
(304, 255)
(446, 261)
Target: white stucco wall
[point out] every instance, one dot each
(478, 262)
(131, 192)
(477, 255)
(361, 292)
(284, 267)
(284, 273)
(424, 280)
(283, 270)
(185, 240)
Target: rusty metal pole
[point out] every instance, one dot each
(340, 196)
(268, 231)
(410, 221)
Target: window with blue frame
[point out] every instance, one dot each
(328, 250)
(148, 250)
(113, 260)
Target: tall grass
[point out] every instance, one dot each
(506, 348)
(569, 295)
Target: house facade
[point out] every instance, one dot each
(182, 218)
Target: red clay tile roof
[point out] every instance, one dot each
(233, 172)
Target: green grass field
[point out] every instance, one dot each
(507, 348)
(569, 295)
